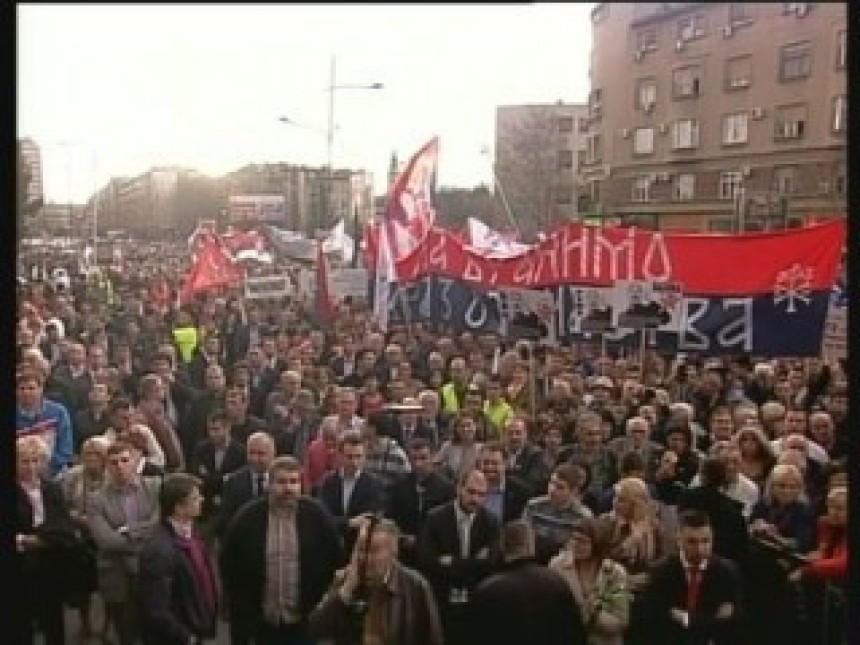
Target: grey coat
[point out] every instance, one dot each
(117, 554)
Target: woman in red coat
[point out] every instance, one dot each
(830, 560)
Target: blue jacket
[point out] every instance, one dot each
(54, 425)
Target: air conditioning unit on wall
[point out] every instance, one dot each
(625, 133)
(728, 30)
(746, 171)
(758, 113)
(638, 55)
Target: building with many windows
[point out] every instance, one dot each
(31, 156)
(537, 155)
(718, 116)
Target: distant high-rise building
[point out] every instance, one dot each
(32, 157)
(537, 156)
(718, 116)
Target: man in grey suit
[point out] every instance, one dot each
(122, 517)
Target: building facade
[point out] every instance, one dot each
(31, 155)
(537, 157)
(314, 198)
(717, 117)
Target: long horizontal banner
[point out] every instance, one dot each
(781, 324)
(703, 264)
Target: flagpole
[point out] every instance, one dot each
(355, 243)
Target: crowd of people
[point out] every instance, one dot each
(232, 461)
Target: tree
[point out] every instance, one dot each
(455, 205)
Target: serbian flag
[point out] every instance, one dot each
(409, 208)
(323, 306)
(212, 268)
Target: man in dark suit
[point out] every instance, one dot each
(247, 483)
(242, 423)
(414, 495)
(180, 393)
(262, 380)
(525, 460)
(457, 549)
(507, 495)
(214, 458)
(526, 602)
(192, 428)
(269, 600)
(693, 597)
(351, 492)
(731, 537)
(207, 354)
(94, 419)
(178, 591)
(411, 426)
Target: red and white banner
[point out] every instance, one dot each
(704, 264)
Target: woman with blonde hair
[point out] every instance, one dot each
(757, 456)
(638, 529)
(599, 585)
(79, 484)
(783, 515)
(44, 534)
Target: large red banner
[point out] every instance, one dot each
(704, 264)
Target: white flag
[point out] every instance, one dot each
(383, 279)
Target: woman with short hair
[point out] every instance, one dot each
(599, 584)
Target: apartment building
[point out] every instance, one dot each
(717, 117)
(31, 155)
(538, 151)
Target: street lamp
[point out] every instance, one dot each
(333, 87)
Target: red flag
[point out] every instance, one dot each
(323, 306)
(212, 268)
(409, 208)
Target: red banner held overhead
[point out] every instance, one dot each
(704, 264)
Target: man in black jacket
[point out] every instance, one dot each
(414, 495)
(192, 427)
(526, 602)
(692, 598)
(250, 482)
(507, 495)
(457, 549)
(351, 492)
(178, 592)
(731, 538)
(269, 600)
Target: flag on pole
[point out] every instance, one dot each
(492, 243)
(409, 208)
(323, 307)
(212, 268)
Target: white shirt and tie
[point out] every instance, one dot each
(464, 530)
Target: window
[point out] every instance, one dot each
(646, 94)
(797, 8)
(739, 13)
(840, 113)
(721, 225)
(643, 141)
(595, 102)
(685, 134)
(730, 184)
(565, 124)
(685, 82)
(789, 122)
(783, 180)
(840, 182)
(685, 187)
(593, 148)
(735, 128)
(646, 39)
(691, 27)
(795, 61)
(738, 72)
(565, 159)
(841, 51)
(641, 186)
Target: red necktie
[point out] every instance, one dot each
(694, 581)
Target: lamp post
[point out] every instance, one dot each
(332, 88)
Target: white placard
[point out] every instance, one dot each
(274, 286)
(834, 342)
(348, 282)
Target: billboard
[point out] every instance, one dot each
(256, 208)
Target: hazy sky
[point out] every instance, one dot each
(113, 90)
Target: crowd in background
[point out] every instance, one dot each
(464, 454)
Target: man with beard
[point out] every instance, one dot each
(279, 554)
